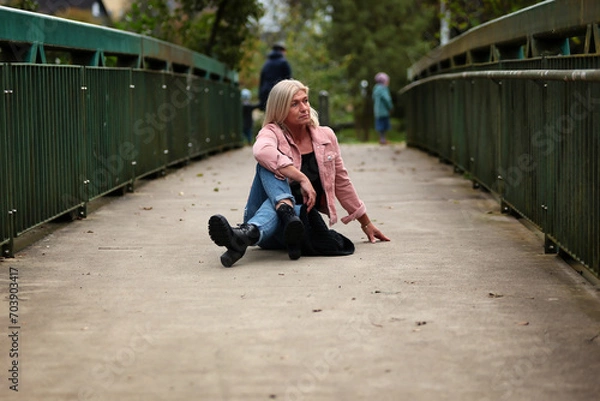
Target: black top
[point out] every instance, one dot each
(310, 168)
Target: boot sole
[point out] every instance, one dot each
(220, 231)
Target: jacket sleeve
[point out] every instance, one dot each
(388, 100)
(266, 150)
(344, 189)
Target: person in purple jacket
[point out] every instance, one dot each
(382, 105)
(300, 173)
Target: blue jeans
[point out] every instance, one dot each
(266, 191)
(382, 124)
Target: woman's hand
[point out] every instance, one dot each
(373, 233)
(309, 195)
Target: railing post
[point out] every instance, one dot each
(324, 108)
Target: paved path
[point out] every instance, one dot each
(133, 304)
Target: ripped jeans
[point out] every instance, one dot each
(266, 191)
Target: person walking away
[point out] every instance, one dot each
(275, 69)
(382, 105)
(300, 174)
(247, 109)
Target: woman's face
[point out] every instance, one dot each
(299, 113)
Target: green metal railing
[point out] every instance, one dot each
(117, 107)
(516, 105)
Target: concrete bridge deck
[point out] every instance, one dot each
(133, 304)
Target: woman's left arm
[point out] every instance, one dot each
(373, 233)
(348, 197)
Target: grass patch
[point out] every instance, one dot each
(351, 135)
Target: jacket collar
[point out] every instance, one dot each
(318, 134)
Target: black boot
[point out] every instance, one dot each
(235, 239)
(293, 230)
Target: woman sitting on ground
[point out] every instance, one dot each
(300, 172)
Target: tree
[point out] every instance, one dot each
(217, 28)
(386, 35)
(307, 25)
(151, 18)
(27, 5)
(467, 14)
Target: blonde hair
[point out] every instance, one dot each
(280, 101)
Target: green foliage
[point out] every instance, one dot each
(387, 36)
(333, 45)
(217, 28)
(378, 36)
(395, 135)
(230, 25)
(466, 14)
(311, 61)
(27, 5)
(151, 18)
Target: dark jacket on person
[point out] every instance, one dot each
(275, 69)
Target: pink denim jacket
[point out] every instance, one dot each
(275, 148)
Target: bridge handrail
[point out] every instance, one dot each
(27, 34)
(527, 33)
(87, 110)
(514, 108)
(590, 75)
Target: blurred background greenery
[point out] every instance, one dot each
(336, 46)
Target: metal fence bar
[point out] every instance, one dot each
(200, 116)
(5, 175)
(150, 116)
(74, 132)
(532, 138)
(42, 141)
(108, 137)
(515, 104)
(585, 75)
(179, 122)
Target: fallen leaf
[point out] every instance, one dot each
(317, 310)
(147, 208)
(494, 295)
